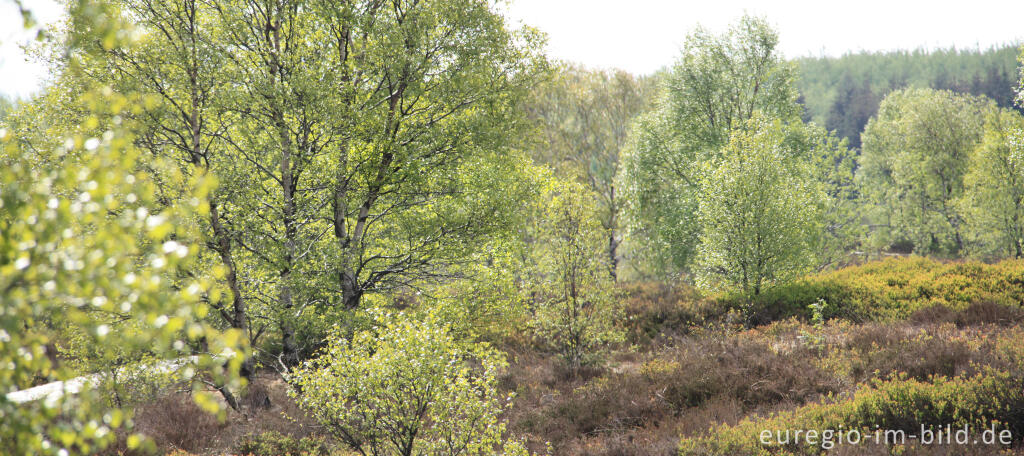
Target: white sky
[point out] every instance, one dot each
(641, 36)
(18, 76)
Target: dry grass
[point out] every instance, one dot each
(646, 400)
(686, 366)
(174, 422)
(644, 407)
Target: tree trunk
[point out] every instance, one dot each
(613, 255)
(288, 211)
(237, 317)
(351, 293)
(290, 351)
(613, 242)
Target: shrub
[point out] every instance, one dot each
(746, 370)
(576, 309)
(256, 396)
(918, 355)
(277, 444)
(175, 421)
(991, 398)
(891, 289)
(406, 387)
(740, 371)
(657, 310)
(978, 313)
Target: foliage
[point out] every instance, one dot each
(1020, 85)
(655, 310)
(585, 118)
(890, 289)
(676, 388)
(878, 350)
(575, 309)
(833, 168)
(356, 182)
(329, 193)
(658, 391)
(843, 93)
(488, 303)
(992, 398)
(84, 247)
(913, 164)
(813, 339)
(6, 106)
(993, 201)
(717, 84)
(276, 444)
(406, 387)
(760, 212)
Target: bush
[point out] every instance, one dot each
(991, 398)
(175, 421)
(740, 371)
(277, 444)
(657, 310)
(406, 387)
(575, 310)
(891, 289)
(740, 368)
(978, 313)
(918, 355)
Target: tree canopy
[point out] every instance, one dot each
(915, 156)
(718, 83)
(843, 93)
(358, 145)
(89, 253)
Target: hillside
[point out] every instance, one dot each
(842, 93)
(316, 228)
(698, 374)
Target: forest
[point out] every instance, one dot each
(843, 93)
(364, 227)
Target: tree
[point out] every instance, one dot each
(994, 188)
(761, 212)
(717, 84)
(575, 310)
(844, 92)
(406, 387)
(914, 159)
(177, 62)
(832, 167)
(431, 88)
(1020, 85)
(359, 144)
(6, 106)
(586, 118)
(852, 108)
(85, 246)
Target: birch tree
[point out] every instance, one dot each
(718, 83)
(914, 159)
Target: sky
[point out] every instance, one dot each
(641, 36)
(19, 77)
